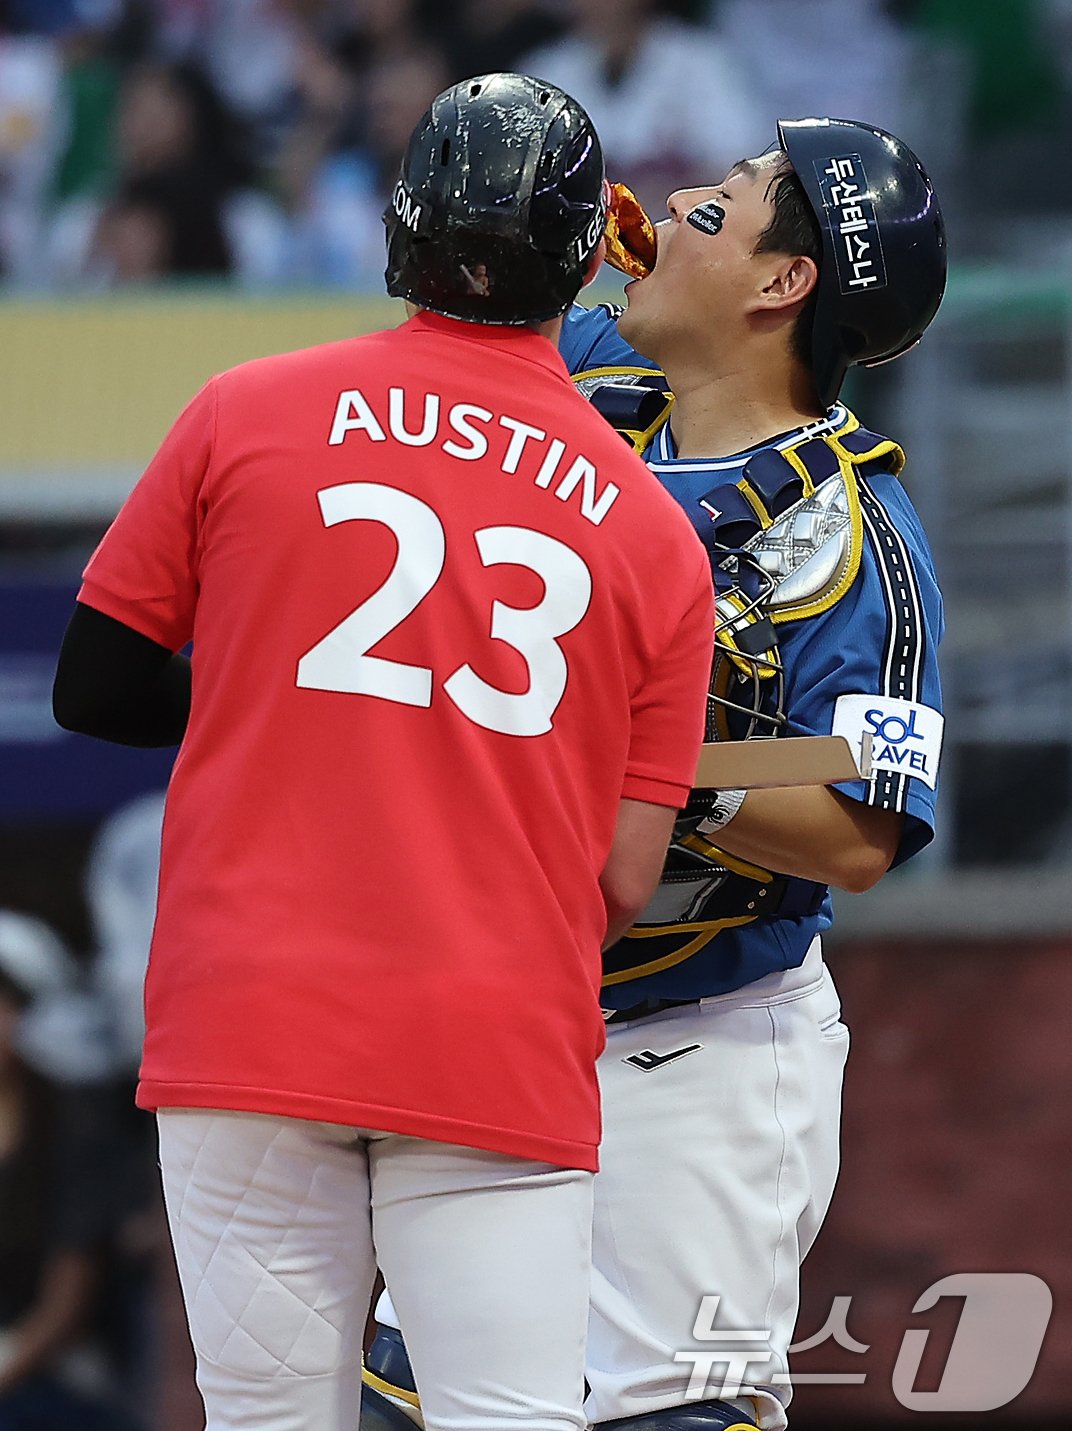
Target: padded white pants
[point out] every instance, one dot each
(278, 1225)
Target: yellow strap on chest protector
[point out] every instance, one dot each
(819, 540)
(639, 429)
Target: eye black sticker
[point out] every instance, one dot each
(708, 218)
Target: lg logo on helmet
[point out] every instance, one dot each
(405, 209)
(585, 245)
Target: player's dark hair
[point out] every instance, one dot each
(794, 229)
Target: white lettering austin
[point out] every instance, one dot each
(472, 432)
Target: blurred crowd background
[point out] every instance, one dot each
(187, 183)
(255, 140)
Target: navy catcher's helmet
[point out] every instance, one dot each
(884, 249)
(500, 203)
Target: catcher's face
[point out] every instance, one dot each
(708, 278)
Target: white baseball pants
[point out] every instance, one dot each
(716, 1170)
(278, 1225)
(719, 1157)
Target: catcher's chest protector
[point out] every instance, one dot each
(796, 512)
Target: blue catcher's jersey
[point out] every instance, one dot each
(590, 340)
(865, 660)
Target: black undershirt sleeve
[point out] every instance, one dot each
(114, 683)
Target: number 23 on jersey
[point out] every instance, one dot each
(340, 661)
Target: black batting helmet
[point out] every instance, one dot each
(500, 203)
(884, 249)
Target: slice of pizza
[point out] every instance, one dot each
(630, 234)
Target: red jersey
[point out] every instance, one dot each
(442, 619)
